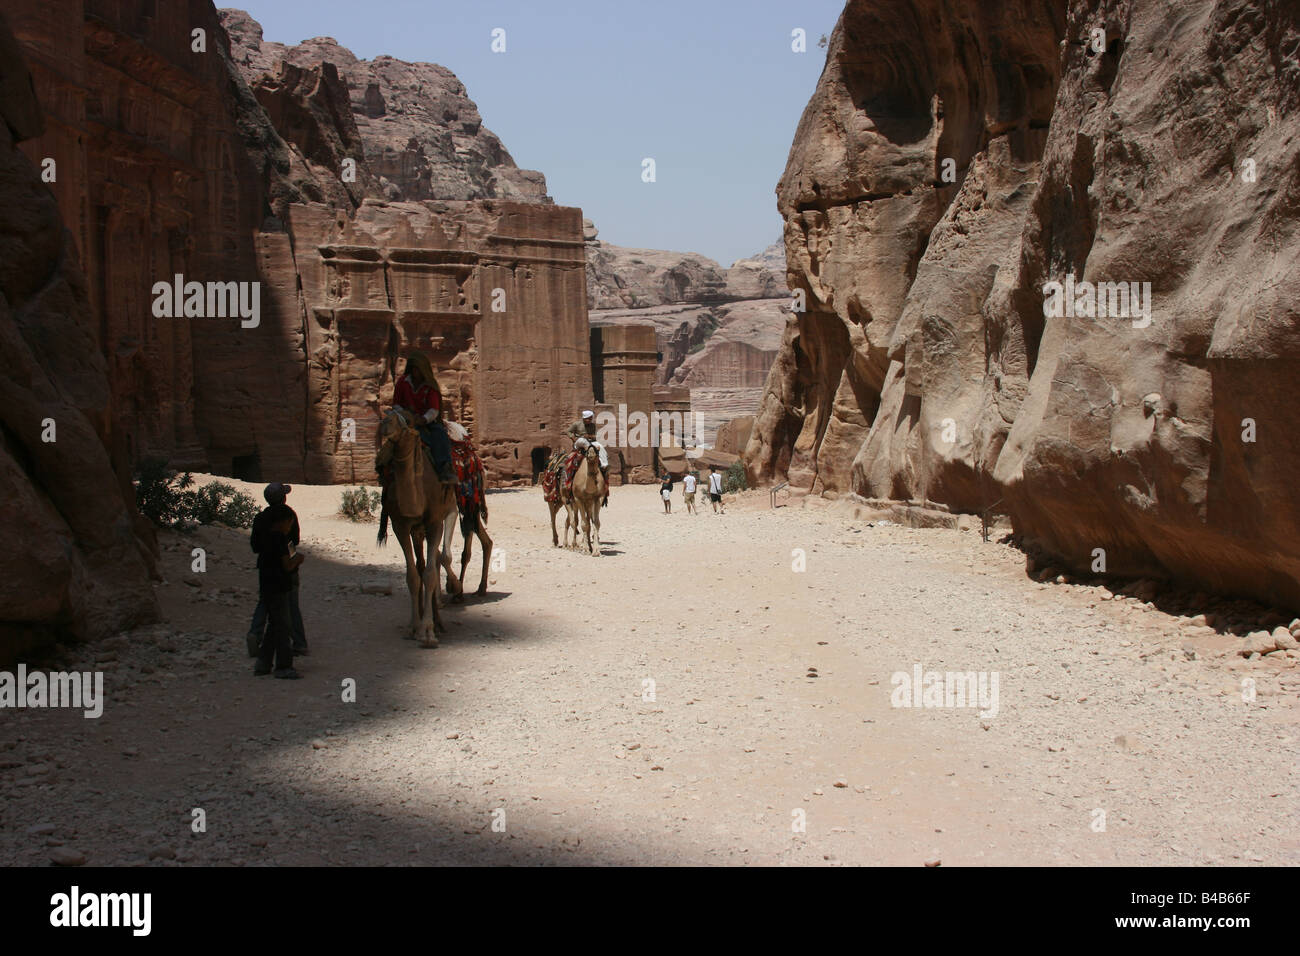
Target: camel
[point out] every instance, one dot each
(473, 518)
(418, 504)
(558, 496)
(589, 490)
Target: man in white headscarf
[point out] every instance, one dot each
(583, 433)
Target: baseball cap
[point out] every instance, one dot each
(276, 491)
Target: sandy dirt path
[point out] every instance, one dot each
(536, 713)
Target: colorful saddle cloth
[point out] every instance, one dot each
(557, 479)
(469, 481)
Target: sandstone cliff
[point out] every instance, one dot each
(77, 560)
(619, 277)
(423, 136)
(171, 163)
(717, 329)
(1093, 140)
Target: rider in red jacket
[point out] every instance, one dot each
(417, 391)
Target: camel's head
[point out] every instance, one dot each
(395, 431)
(592, 455)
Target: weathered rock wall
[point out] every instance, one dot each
(619, 277)
(77, 559)
(171, 163)
(925, 366)
(492, 291)
(153, 179)
(740, 351)
(422, 134)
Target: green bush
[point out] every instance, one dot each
(360, 504)
(160, 492)
(171, 500)
(219, 502)
(734, 479)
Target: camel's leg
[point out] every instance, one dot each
(486, 546)
(454, 586)
(413, 579)
(465, 553)
(417, 545)
(435, 599)
(586, 525)
(555, 536)
(430, 623)
(595, 520)
(570, 520)
(444, 557)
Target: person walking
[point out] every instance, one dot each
(688, 492)
(666, 492)
(715, 490)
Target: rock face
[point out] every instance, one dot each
(726, 376)
(927, 364)
(619, 277)
(172, 163)
(741, 350)
(733, 436)
(718, 330)
(423, 136)
(720, 353)
(623, 278)
(759, 277)
(78, 559)
(153, 179)
(466, 282)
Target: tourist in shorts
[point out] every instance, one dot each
(715, 490)
(688, 492)
(666, 492)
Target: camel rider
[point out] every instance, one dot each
(417, 392)
(583, 433)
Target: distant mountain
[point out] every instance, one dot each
(422, 134)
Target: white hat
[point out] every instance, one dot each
(587, 414)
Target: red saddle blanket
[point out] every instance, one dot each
(557, 479)
(469, 477)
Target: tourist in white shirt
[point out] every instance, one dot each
(715, 490)
(688, 492)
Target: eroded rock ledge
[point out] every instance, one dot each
(1104, 139)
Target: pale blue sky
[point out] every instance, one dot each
(587, 88)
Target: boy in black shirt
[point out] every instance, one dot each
(275, 585)
(275, 494)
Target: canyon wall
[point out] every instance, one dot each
(955, 160)
(78, 559)
(718, 329)
(490, 290)
(320, 178)
(422, 135)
